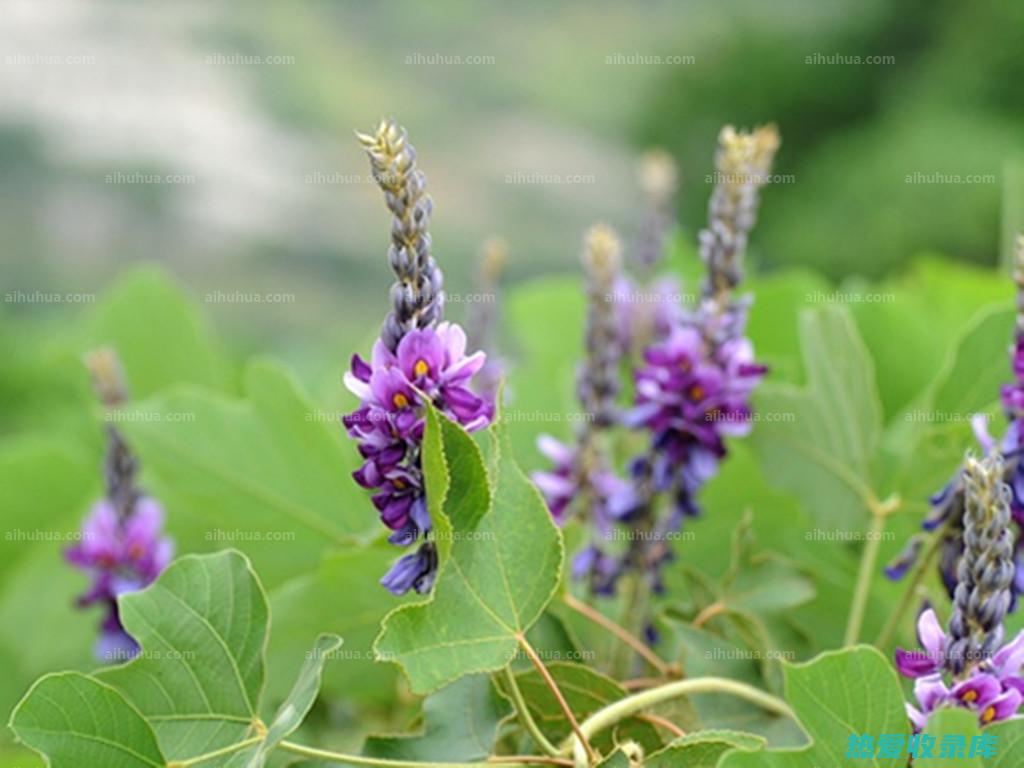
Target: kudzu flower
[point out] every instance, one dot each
(580, 472)
(693, 389)
(986, 677)
(121, 547)
(417, 360)
(947, 512)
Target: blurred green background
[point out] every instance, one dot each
(244, 113)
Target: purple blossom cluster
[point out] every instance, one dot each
(993, 688)
(122, 554)
(429, 365)
(947, 505)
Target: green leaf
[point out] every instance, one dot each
(1011, 744)
(820, 441)
(296, 705)
(836, 695)
(76, 720)
(157, 331)
(202, 627)
(495, 584)
(954, 722)
(460, 724)
(276, 473)
(980, 364)
(704, 749)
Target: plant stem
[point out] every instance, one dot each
(923, 564)
(525, 717)
(581, 738)
(630, 705)
(376, 762)
(228, 750)
(868, 563)
(638, 645)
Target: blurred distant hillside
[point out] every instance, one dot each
(217, 137)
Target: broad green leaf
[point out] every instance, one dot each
(836, 695)
(820, 441)
(971, 379)
(347, 582)
(460, 724)
(202, 626)
(703, 749)
(495, 584)
(585, 690)
(961, 723)
(76, 720)
(296, 705)
(272, 468)
(157, 331)
(1011, 744)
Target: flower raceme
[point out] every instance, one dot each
(417, 360)
(122, 547)
(994, 689)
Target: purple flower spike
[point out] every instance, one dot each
(418, 359)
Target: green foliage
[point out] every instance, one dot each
(194, 689)
(498, 578)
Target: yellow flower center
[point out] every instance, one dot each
(421, 368)
(696, 392)
(400, 400)
(970, 696)
(399, 483)
(988, 715)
